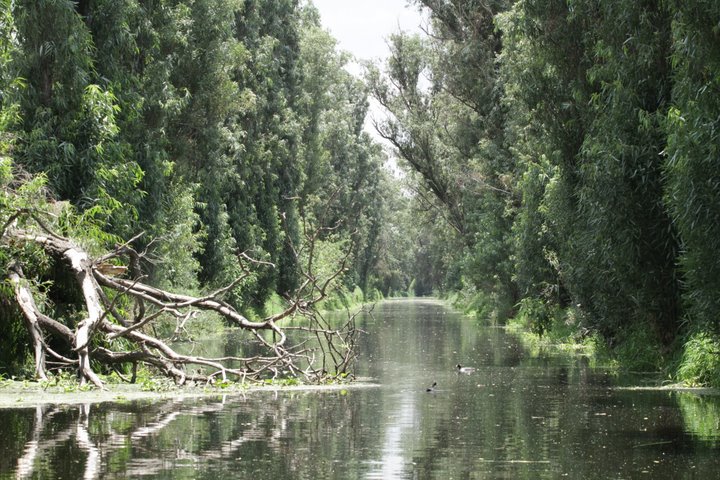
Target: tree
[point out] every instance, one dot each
(691, 155)
(342, 165)
(624, 229)
(69, 128)
(188, 121)
(544, 65)
(447, 124)
(588, 85)
(117, 310)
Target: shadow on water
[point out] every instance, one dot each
(517, 416)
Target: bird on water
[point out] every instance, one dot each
(462, 369)
(431, 388)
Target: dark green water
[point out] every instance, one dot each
(516, 417)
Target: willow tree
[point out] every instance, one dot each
(624, 230)
(692, 176)
(69, 113)
(96, 112)
(544, 65)
(446, 123)
(137, 50)
(693, 182)
(589, 86)
(342, 166)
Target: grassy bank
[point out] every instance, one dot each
(64, 390)
(339, 299)
(692, 361)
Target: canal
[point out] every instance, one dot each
(517, 415)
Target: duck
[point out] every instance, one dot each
(467, 370)
(431, 388)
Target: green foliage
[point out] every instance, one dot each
(700, 360)
(214, 127)
(478, 304)
(325, 256)
(411, 289)
(66, 382)
(533, 243)
(15, 358)
(588, 87)
(624, 230)
(198, 122)
(150, 383)
(535, 315)
(282, 382)
(177, 242)
(543, 65)
(692, 178)
(639, 348)
(69, 128)
(559, 157)
(342, 299)
(16, 201)
(446, 123)
(701, 416)
(273, 305)
(342, 176)
(374, 295)
(563, 331)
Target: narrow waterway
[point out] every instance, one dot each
(517, 416)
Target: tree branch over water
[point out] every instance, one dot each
(119, 315)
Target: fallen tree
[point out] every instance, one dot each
(316, 352)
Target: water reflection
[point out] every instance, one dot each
(701, 416)
(518, 416)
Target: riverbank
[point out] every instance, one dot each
(690, 365)
(64, 389)
(24, 394)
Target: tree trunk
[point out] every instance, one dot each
(106, 323)
(25, 300)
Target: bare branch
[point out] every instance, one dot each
(104, 297)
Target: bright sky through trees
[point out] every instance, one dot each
(362, 27)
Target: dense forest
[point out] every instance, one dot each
(572, 147)
(202, 132)
(560, 160)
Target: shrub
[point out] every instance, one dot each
(700, 361)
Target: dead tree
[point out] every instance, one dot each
(322, 352)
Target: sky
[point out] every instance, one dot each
(362, 28)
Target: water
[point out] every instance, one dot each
(517, 416)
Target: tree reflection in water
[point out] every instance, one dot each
(520, 415)
(62, 428)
